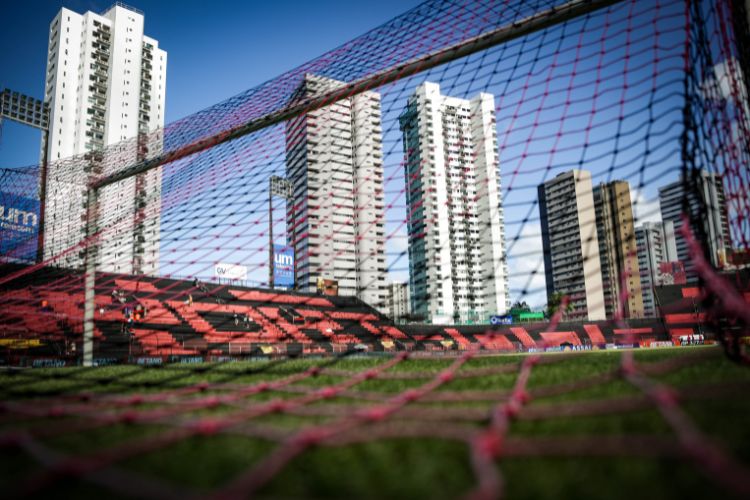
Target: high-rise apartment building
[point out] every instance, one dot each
(572, 264)
(335, 218)
(656, 245)
(709, 203)
(105, 83)
(398, 301)
(457, 263)
(617, 250)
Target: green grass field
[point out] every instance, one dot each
(429, 458)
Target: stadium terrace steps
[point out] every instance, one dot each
(291, 330)
(495, 342)
(159, 342)
(280, 298)
(595, 334)
(523, 336)
(556, 339)
(281, 321)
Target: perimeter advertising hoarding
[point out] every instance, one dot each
(223, 270)
(283, 266)
(19, 227)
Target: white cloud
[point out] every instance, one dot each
(726, 78)
(645, 208)
(526, 265)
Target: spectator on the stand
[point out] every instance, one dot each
(140, 311)
(236, 319)
(127, 313)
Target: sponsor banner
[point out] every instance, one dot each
(106, 361)
(186, 359)
(148, 360)
(19, 227)
(222, 270)
(48, 363)
(283, 266)
(661, 343)
(501, 320)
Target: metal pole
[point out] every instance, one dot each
(42, 197)
(270, 233)
(89, 306)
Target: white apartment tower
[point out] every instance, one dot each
(457, 264)
(398, 301)
(656, 244)
(572, 263)
(709, 202)
(105, 83)
(335, 219)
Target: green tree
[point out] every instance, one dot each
(553, 304)
(519, 307)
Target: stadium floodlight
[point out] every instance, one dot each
(24, 109)
(277, 186)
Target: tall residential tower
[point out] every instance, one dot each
(656, 245)
(709, 202)
(617, 250)
(334, 162)
(105, 83)
(572, 263)
(457, 264)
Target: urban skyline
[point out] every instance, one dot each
(507, 298)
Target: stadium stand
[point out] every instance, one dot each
(169, 318)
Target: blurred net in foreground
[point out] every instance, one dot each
(389, 427)
(491, 155)
(501, 158)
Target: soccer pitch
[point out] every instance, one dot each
(578, 426)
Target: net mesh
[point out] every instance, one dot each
(651, 97)
(513, 162)
(279, 412)
(481, 109)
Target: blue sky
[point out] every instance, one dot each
(216, 49)
(627, 126)
(612, 107)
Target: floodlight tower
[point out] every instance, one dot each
(277, 186)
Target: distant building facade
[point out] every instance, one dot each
(709, 202)
(335, 218)
(457, 263)
(572, 263)
(656, 245)
(398, 301)
(617, 250)
(105, 83)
